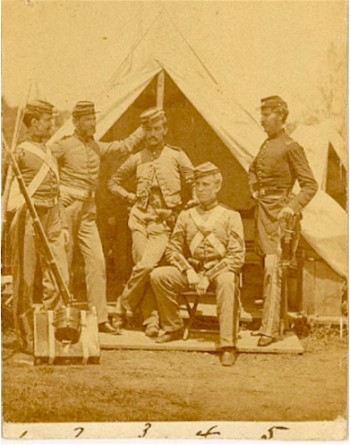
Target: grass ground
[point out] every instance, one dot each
(180, 386)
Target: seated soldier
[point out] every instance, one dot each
(206, 247)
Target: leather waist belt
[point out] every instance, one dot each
(78, 193)
(50, 202)
(273, 192)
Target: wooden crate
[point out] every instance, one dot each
(49, 350)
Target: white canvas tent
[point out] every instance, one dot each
(164, 48)
(325, 221)
(316, 139)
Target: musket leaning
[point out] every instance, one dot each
(62, 285)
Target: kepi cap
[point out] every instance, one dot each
(84, 108)
(39, 106)
(151, 115)
(273, 102)
(206, 169)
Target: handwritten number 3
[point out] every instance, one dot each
(148, 426)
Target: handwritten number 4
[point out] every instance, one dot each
(208, 433)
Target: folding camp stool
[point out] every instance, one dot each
(192, 307)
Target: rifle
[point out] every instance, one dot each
(62, 285)
(9, 174)
(66, 318)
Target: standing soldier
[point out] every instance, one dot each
(206, 248)
(160, 171)
(79, 157)
(280, 162)
(40, 174)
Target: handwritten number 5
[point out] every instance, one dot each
(270, 431)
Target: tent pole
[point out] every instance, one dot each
(160, 89)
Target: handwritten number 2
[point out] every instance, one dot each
(80, 431)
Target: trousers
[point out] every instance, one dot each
(272, 296)
(81, 221)
(168, 282)
(27, 252)
(150, 236)
(273, 280)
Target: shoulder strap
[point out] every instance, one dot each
(205, 230)
(45, 157)
(208, 223)
(16, 199)
(173, 147)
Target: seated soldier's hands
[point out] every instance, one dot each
(131, 198)
(203, 285)
(286, 213)
(192, 278)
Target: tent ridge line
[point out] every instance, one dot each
(191, 48)
(135, 45)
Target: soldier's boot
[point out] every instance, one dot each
(152, 330)
(228, 356)
(264, 341)
(26, 328)
(121, 317)
(151, 322)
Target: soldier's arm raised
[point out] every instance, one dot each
(125, 146)
(235, 252)
(124, 172)
(186, 168)
(57, 150)
(187, 174)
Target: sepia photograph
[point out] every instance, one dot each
(174, 230)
